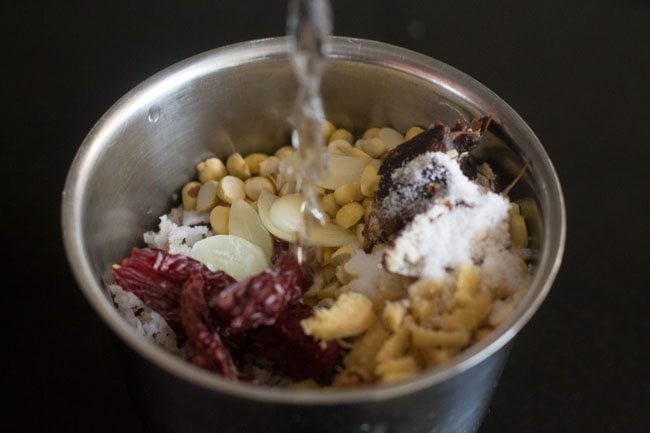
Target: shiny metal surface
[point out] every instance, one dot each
(238, 97)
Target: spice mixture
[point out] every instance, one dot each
(418, 258)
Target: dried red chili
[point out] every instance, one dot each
(291, 350)
(218, 314)
(207, 348)
(262, 298)
(156, 277)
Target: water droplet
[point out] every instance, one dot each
(416, 29)
(376, 428)
(154, 114)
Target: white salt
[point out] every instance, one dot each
(464, 223)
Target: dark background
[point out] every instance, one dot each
(577, 71)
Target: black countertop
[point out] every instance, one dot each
(577, 71)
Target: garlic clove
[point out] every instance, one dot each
(244, 222)
(264, 204)
(233, 255)
(285, 213)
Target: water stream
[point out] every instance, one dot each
(309, 24)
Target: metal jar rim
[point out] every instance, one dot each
(338, 49)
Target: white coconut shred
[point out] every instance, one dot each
(178, 231)
(146, 322)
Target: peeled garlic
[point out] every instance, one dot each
(264, 203)
(233, 255)
(207, 198)
(285, 213)
(245, 222)
(282, 217)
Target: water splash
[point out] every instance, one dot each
(416, 29)
(154, 114)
